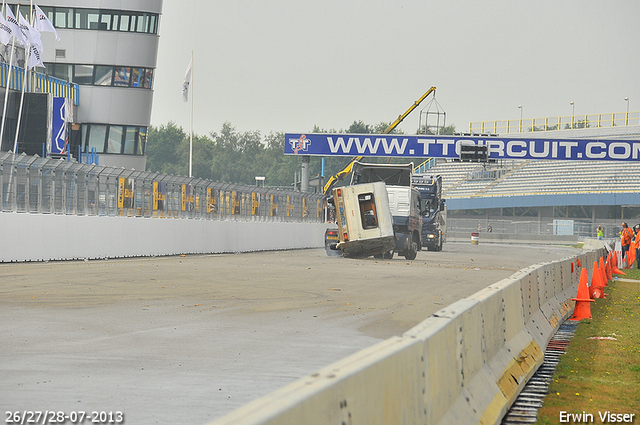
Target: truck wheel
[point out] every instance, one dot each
(388, 255)
(412, 252)
(440, 245)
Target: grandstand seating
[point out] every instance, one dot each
(540, 177)
(453, 173)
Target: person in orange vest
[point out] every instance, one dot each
(633, 248)
(625, 239)
(636, 244)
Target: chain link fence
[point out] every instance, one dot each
(30, 184)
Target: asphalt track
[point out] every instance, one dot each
(188, 339)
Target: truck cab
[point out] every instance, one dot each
(404, 202)
(433, 211)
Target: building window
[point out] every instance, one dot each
(62, 16)
(96, 136)
(114, 139)
(106, 18)
(153, 24)
(142, 141)
(104, 75)
(61, 71)
(124, 22)
(148, 79)
(137, 77)
(83, 74)
(143, 23)
(87, 19)
(130, 140)
(122, 76)
(98, 19)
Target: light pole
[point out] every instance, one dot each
(520, 127)
(573, 112)
(626, 118)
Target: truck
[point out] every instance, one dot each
(407, 244)
(434, 213)
(404, 200)
(333, 180)
(365, 224)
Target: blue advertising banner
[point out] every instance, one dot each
(59, 136)
(428, 146)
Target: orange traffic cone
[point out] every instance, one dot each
(631, 255)
(597, 286)
(582, 310)
(607, 268)
(614, 266)
(605, 281)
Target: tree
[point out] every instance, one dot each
(446, 130)
(359, 127)
(168, 152)
(234, 157)
(227, 163)
(577, 124)
(278, 167)
(162, 148)
(381, 127)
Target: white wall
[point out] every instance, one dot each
(38, 237)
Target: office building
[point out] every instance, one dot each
(109, 48)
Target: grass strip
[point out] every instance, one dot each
(600, 372)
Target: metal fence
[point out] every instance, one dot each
(545, 226)
(30, 184)
(616, 119)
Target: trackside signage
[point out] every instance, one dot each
(325, 144)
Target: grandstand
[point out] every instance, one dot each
(540, 177)
(591, 192)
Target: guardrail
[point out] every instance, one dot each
(571, 122)
(30, 184)
(463, 365)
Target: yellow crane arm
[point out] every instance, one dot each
(340, 175)
(408, 111)
(346, 170)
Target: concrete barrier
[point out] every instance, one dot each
(465, 364)
(38, 237)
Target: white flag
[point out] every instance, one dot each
(42, 23)
(35, 58)
(5, 31)
(17, 32)
(35, 43)
(187, 82)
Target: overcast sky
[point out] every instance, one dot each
(287, 65)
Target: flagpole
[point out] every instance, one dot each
(24, 81)
(191, 122)
(6, 91)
